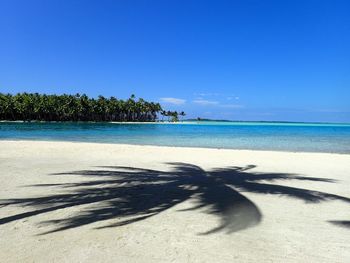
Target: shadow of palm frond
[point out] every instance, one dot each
(342, 223)
(129, 195)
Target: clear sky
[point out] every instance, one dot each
(241, 60)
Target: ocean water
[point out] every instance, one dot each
(331, 138)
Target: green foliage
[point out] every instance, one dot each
(173, 116)
(42, 107)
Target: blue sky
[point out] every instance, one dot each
(241, 60)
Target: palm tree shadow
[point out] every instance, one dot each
(341, 223)
(129, 195)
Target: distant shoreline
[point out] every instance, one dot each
(189, 121)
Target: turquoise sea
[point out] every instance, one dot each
(333, 138)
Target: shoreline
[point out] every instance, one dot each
(173, 147)
(192, 122)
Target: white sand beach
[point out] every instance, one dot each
(88, 202)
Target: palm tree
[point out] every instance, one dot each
(183, 114)
(65, 107)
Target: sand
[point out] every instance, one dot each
(86, 202)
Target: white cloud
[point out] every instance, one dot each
(205, 102)
(206, 94)
(232, 97)
(174, 101)
(232, 106)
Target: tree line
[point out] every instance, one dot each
(43, 107)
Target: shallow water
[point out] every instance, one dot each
(334, 138)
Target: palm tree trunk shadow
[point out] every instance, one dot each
(236, 212)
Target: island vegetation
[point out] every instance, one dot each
(43, 107)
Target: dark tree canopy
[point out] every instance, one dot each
(42, 107)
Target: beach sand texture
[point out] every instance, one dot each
(88, 202)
